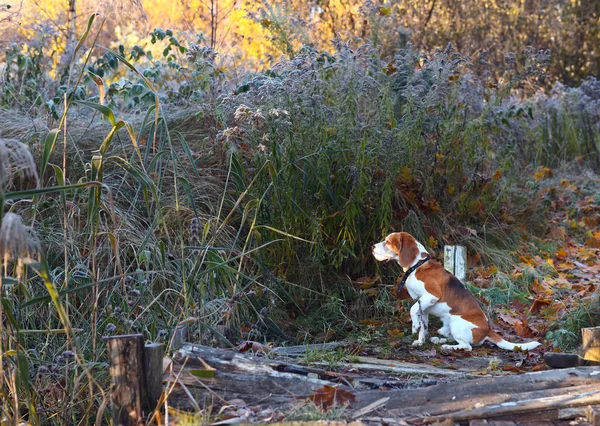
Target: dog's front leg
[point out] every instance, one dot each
(416, 317)
(419, 314)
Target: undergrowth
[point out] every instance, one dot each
(170, 193)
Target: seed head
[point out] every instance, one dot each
(17, 241)
(15, 159)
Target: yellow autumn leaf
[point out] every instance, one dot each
(371, 292)
(385, 11)
(432, 242)
(395, 333)
(543, 173)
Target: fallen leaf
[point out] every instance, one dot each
(366, 282)
(395, 334)
(543, 173)
(538, 305)
(328, 396)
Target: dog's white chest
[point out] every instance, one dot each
(415, 287)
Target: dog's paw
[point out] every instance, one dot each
(418, 343)
(437, 340)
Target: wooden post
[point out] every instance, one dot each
(455, 261)
(153, 373)
(180, 336)
(593, 414)
(127, 376)
(590, 343)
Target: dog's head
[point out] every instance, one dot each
(401, 247)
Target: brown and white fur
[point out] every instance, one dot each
(440, 293)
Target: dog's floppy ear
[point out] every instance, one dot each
(394, 241)
(405, 245)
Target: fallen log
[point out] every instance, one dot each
(480, 401)
(222, 359)
(476, 387)
(517, 408)
(565, 360)
(253, 364)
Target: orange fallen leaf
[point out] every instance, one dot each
(523, 329)
(538, 305)
(328, 396)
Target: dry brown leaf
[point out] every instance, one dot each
(328, 396)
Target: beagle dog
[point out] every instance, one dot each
(439, 293)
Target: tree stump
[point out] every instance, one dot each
(455, 261)
(127, 376)
(590, 343)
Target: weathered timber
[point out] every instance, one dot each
(480, 401)
(564, 360)
(449, 392)
(127, 376)
(358, 381)
(371, 407)
(153, 369)
(303, 349)
(180, 336)
(222, 359)
(592, 414)
(520, 407)
(255, 364)
(368, 363)
(455, 261)
(590, 343)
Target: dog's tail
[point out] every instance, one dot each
(501, 343)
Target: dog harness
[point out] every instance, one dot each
(410, 271)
